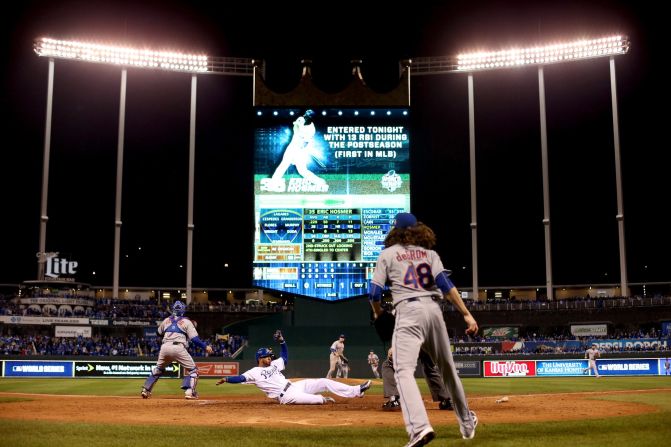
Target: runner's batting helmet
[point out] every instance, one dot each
(264, 352)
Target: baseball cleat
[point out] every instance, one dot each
(329, 400)
(423, 438)
(190, 394)
(364, 386)
(446, 404)
(471, 435)
(145, 393)
(391, 405)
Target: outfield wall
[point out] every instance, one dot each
(511, 367)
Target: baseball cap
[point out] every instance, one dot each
(405, 220)
(342, 336)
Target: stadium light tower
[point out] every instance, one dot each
(125, 57)
(540, 55)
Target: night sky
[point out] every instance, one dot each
(510, 208)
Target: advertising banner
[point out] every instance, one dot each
(557, 368)
(59, 301)
(507, 333)
(218, 369)
(19, 319)
(510, 368)
(33, 368)
(121, 369)
(150, 332)
(628, 367)
(99, 322)
(476, 348)
(72, 331)
(631, 344)
(130, 323)
(589, 330)
(468, 368)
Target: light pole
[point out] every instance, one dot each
(126, 57)
(539, 56)
(41, 255)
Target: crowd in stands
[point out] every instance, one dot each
(128, 346)
(571, 303)
(562, 343)
(106, 309)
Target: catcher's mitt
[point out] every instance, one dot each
(277, 336)
(384, 326)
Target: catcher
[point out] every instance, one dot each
(177, 330)
(268, 377)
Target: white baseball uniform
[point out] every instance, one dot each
(271, 381)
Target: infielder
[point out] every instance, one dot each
(176, 330)
(374, 362)
(335, 357)
(268, 377)
(418, 281)
(592, 354)
(434, 379)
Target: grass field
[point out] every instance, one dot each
(651, 429)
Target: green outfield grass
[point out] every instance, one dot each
(653, 429)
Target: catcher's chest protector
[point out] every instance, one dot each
(174, 327)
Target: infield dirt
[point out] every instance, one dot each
(215, 409)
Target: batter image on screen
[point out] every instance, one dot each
(300, 151)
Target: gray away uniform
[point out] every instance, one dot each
(411, 272)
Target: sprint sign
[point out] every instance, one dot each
(510, 368)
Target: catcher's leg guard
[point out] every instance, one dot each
(156, 373)
(190, 382)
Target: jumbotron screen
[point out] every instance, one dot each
(328, 183)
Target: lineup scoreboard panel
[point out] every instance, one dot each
(328, 183)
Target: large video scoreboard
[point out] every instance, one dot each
(328, 183)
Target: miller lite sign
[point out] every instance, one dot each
(54, 266)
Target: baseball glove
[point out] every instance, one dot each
(384, 326)
(277, 336)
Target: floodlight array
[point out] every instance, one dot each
(132, 57)
(540, 55)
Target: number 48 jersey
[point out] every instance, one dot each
(410, 270)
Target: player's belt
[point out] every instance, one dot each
(415, 298)
(286, 387)
(176, 342)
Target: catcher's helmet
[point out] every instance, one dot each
(178, 308)
(264, 352)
